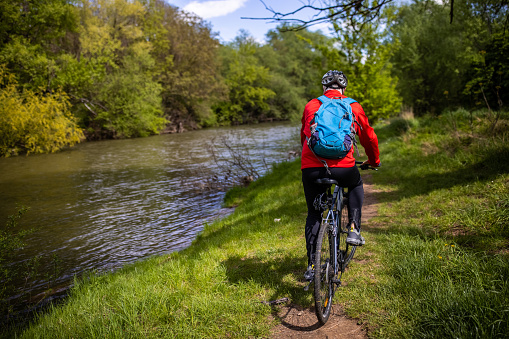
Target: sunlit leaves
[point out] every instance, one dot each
(34, 123)
(115, 92)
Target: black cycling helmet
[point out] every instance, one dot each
(334, 79)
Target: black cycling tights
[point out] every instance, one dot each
(346, 177)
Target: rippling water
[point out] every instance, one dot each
(102, 204)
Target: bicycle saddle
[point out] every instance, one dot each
(326, 181)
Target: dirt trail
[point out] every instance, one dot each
(301, 323)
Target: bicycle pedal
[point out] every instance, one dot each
(306, 288)
(336, 281)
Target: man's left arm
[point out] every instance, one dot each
(367, 135)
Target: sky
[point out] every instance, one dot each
(225, 15)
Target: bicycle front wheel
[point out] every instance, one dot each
(324, 274)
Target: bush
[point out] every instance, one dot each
(34, 123)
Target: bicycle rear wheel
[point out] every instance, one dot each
(345, 251)
(324, 274)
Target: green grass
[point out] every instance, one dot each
(435, 262)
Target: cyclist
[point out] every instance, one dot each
(343, 170)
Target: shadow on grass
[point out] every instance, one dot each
(241, 224)
(278, 274)
(494, 243)
(488, 167)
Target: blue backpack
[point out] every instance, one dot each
(333, 128)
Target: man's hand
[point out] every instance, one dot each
(366, 165)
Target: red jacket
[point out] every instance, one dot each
(367, 136)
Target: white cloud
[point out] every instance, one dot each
(212, 9)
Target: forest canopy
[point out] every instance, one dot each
(132, 68)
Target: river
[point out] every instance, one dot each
(100, 205)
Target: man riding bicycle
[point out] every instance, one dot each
(342, 170)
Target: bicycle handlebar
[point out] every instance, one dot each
(365, 166)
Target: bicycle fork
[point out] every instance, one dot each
(334, 253)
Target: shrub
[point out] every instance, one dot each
(34, 123)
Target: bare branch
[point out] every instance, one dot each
(87, 102)
(362, 11)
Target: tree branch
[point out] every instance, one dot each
(344, 9)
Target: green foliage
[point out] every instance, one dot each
(39, 21)
(28, 62)
(34, 123)
(273, 81)
(116, 91)
(365, 59)
(135, 108)
(432, 57)
(247, 81)
(188, 68)
(489, 82)
(30, 34)
(295, 67)
(441, 64)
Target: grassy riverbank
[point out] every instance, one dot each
(435, 264)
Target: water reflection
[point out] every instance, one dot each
(103, 204)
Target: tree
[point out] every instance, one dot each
(431, 57)
(247, 81)
(364, 56)
(436, 60)
(186, 55)
(360, 11)
(489, 82)
(112, 78)
(295, 67)
(31, 34)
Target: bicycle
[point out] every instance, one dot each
(332, 254)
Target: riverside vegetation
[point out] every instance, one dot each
(435, 262)
(97, 69)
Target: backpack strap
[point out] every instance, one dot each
(323, 99)
(349, 100)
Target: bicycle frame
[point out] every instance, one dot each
(333, 219)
